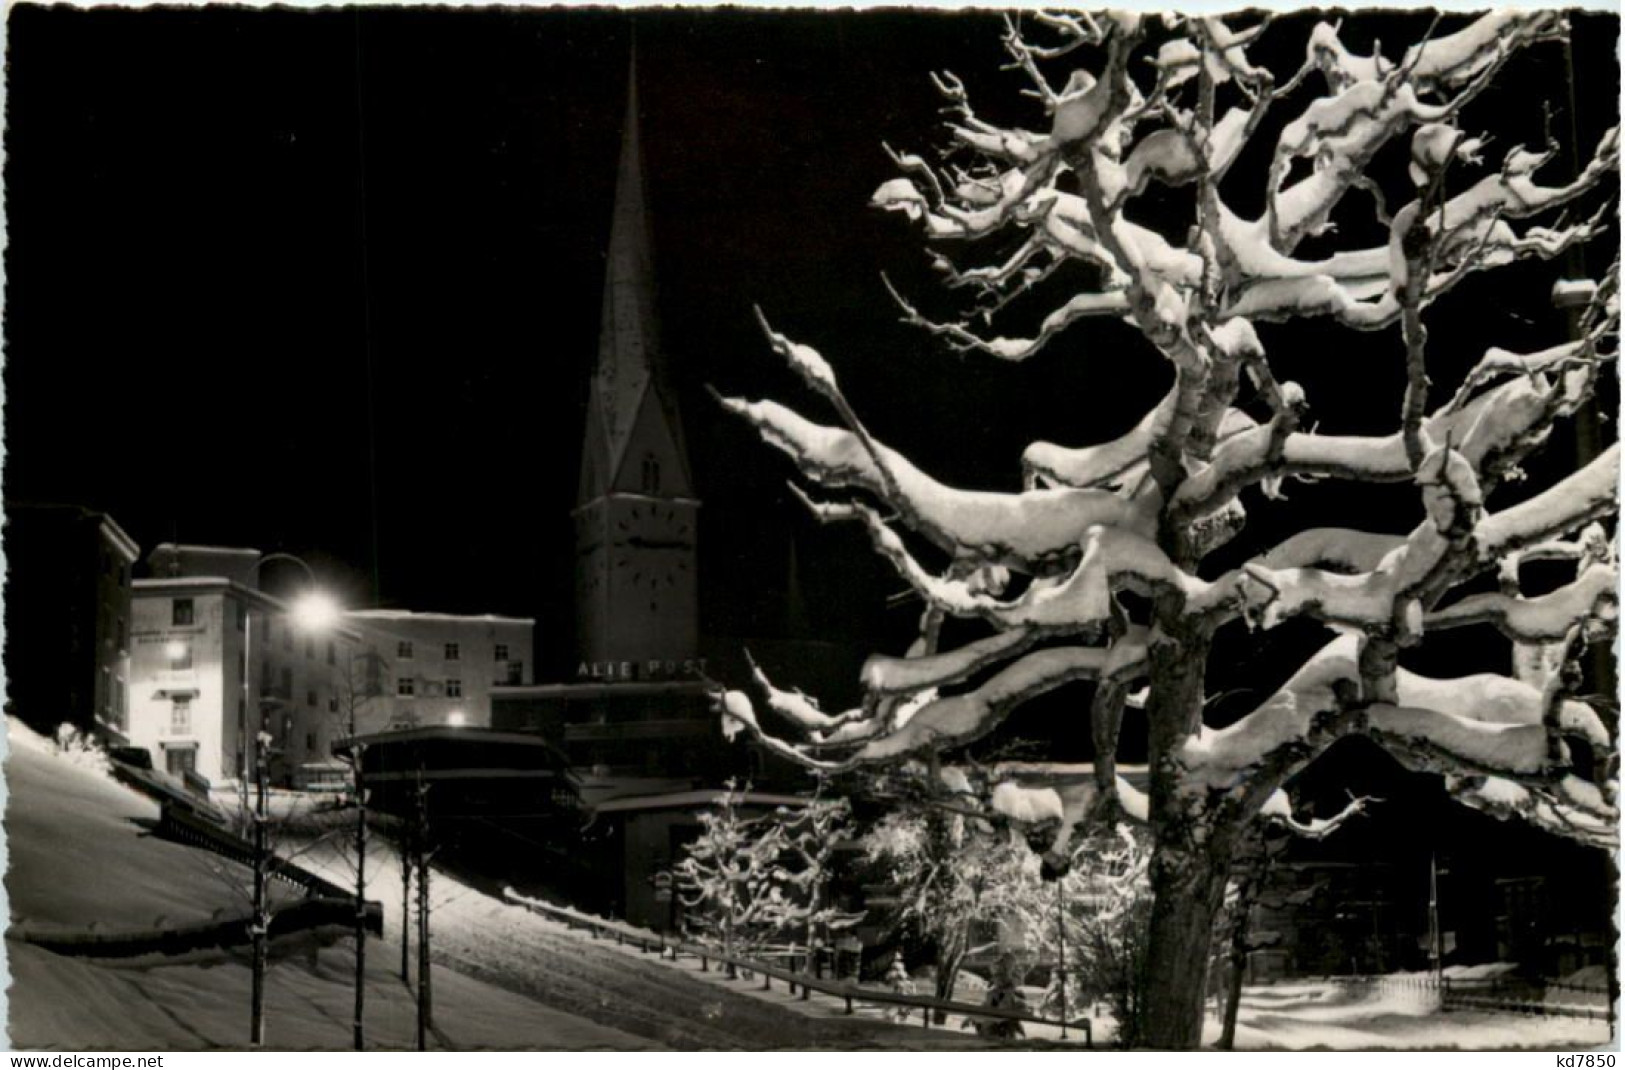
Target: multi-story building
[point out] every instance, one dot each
(67, 597)
(425, 669)
(200, 626)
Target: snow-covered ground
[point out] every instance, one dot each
(1393, 1014)
(81, 856)
(673, 1004)
(74, 834)
(506, 978)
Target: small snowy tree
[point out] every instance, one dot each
(1101, 568)
(1106, 901)
(955, 874)
(804, 910)
(728, 881)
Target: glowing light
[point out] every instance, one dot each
(175, 650)
(456, 719)
(315, 612)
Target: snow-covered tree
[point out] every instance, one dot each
(1176, 183)
(804, 911)
(955, 874)
(1107, 914)
(728, 879)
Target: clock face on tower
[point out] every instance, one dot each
(653, 547)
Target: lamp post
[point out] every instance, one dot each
(314, 611)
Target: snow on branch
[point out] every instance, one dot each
(1587, 495)
(1484, 724)
(1019, 529)
(1572, 808)
(1594, 595)
(961, 718)
(1277, 810)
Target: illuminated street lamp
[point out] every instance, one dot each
(312, 611)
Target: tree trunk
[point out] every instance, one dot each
(1186, 896)
(1237, 972)
(1192, 851)
(950, 955)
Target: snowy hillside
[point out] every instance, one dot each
(81, 856)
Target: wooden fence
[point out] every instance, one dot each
(794, 981)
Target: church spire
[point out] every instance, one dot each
(630, 398)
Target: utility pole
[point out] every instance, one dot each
(358, 784)
(406, 908)
(420, 841)
(262, 920)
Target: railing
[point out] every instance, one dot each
(196, 783)
(851, 994)
(164, 791)
(1515, 995)
(314, 913)
(184, 827)
(1520, 996)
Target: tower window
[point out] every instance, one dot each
(403, 650)
(651, 474)
(454, 688)
(405, 685)
(180, 612)
(453, 652)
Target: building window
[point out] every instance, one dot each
(454, 688)
(332, 657)
(286, 691)
(452, 652)
(180, 715)
(180, 612)
(180, 656)
(651, 474)
(310, 742)
(502, 651)
(242, 616)
(403, 650)
(180, 761)
(404, 686)
(516, 673)
(287, 638)
(265, 676)
(310, 699)
(333, 704)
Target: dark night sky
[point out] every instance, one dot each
(217, 217)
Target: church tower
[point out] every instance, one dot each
(636, 514)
